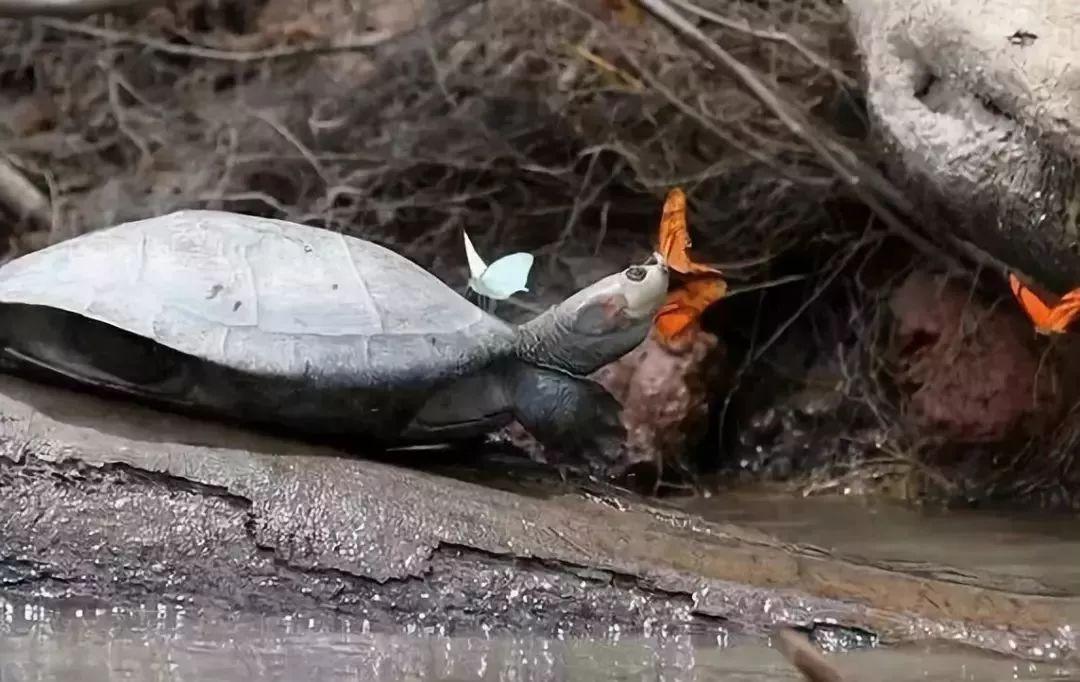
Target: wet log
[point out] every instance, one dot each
(103, 500)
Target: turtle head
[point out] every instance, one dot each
(598, 324)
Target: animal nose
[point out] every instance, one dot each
(656, 259)
(635, 273)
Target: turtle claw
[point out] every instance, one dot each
(605, 453)
(555, 458)
(572, 416)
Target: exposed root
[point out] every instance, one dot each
(22, 198)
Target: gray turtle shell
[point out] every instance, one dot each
(266, 297)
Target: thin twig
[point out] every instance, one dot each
(765, 285)
(367, 42)
(22, 197)
(603, 227)
(295, 142)
(656, 84)
(776, 36)
(753, 153)
(818, 291)
(754, 356)
(578, 205)
(119, 113)
(981, 257)
(217, 197)
(68, 8)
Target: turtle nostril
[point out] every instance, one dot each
(635, 273)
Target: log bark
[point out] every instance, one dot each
(105, 500)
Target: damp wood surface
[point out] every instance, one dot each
(109, 500)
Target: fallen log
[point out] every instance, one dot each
(109, 501)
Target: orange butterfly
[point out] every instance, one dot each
(697, 286)
(1051, 314)
(684, 306)
(675, 237)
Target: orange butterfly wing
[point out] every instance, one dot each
(1066, 312)
(1034, 306)
(700, 285)
(685, 304)
(675, 237)
(1053, 317)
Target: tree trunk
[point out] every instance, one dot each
(980, 100)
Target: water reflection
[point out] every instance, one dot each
(40, 643)
(160, 642)
(1042, 547)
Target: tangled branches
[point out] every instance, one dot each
(550, 126)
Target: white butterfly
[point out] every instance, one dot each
(500, 280)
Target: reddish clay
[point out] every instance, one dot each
(972, 371)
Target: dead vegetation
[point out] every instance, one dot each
(553, 126)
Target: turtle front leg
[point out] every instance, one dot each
(569, 415)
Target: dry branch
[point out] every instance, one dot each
(21, 197)
(69, 8)
(367, 42)
(798, 650)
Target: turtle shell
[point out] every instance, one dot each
(265, 297)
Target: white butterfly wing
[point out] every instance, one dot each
(505, 277)
(476, 263)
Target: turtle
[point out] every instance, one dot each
(284, 325)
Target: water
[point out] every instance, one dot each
(61, 642)
(1044, 547)
(39, 644)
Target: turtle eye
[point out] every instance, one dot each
(635, 273)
